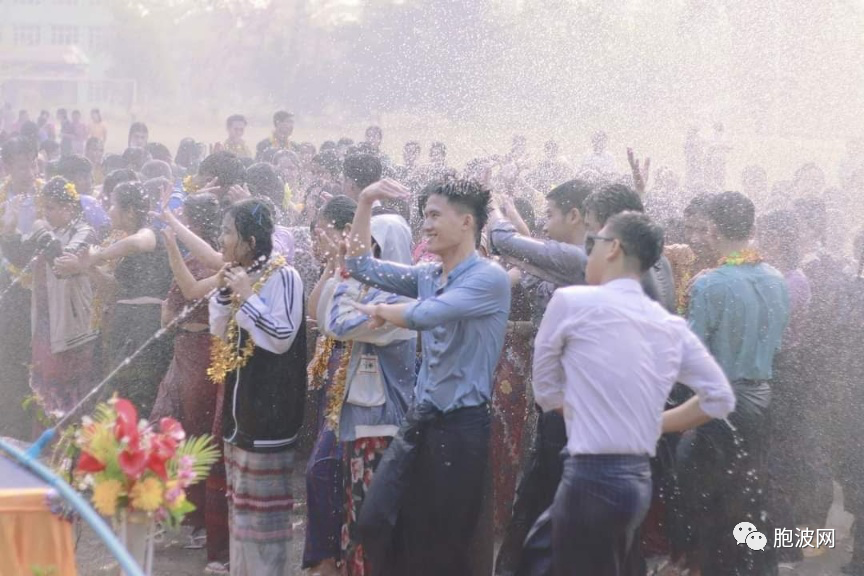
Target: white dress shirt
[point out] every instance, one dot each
(609, 356)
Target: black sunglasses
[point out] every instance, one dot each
(592, 239)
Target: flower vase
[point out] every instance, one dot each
(136, 532)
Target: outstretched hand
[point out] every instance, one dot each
(640, 173)
(386, 189)
(370, 310)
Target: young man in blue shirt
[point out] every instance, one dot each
(429, 484)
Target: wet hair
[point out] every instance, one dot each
(374, 130)
(91, 142)
(440, 146)
(782, 227)
(330, 162)
(610, 200)
(281, 116)
(345, 141)
(55, 190)
(570, 195)
(640, 237)
(115, 178)
(131, 197)
(71, 167)
(413, 145)
(136, 128)
(159, 151)
(364, 148)
(338, 211)
(264, 182)
(187, 152)
(733, 214)
(157, 169)
(268, 154)
(235, 118)
(327, 145)
(224, 166)
(112, 162)
(697, 206)
(135, 158)
(253, 219)
(15, 147)
(469, 196)
(247, 162)
(204, 215)
(281, 154)
(526, 212)
(362, 169)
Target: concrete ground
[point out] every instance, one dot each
(173, 560)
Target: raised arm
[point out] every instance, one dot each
(142, 241)
(190, 287)
(198, 247)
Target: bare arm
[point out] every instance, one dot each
(684, 417)
(190, 287)
(201, 250)
(142, 241)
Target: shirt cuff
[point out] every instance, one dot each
(409, 316)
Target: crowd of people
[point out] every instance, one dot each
(601, 371)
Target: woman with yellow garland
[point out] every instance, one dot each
(63, 343)
(260, 355)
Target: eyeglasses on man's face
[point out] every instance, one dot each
(591, 240)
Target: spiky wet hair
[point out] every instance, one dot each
(468, 195)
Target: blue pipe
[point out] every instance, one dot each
(96, 522)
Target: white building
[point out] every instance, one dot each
(56, 53)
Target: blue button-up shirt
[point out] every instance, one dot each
(462, 321)
(740, 313)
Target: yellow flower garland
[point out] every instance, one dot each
(317, 369)
(189, 185)
(225, 357)
(746, 256)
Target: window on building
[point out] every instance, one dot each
(64, 35)
(98, 38)
(25, 35)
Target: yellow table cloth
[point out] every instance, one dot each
(33, 541)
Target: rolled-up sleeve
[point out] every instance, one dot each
(557, 262)
(387, 276)
(547, 374)
(480, 295)
(701, 373)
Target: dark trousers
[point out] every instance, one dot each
(443, 500)
(423, 504)
(600, 503)
(325, 492)
(535, 490)
(721, 473)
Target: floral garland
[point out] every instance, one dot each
(336, 395)
(739, 258)
(238, 149)
(280, 143)
(224, 355)
(71, 192)
(189, 185)
(317, 369)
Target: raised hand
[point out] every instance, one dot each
(640, 173)
(239, 282)
(386, 189)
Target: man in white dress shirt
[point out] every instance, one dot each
(607, 356)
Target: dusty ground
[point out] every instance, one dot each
(173, 560)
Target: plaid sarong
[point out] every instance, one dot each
(259, 502)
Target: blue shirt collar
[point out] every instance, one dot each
(460, 268)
